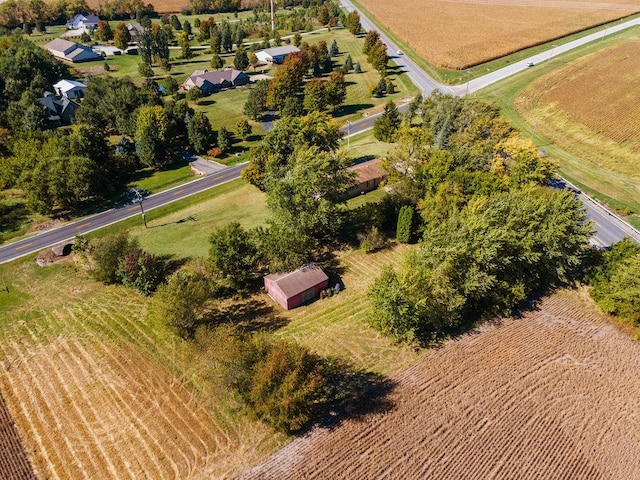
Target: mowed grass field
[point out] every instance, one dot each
(591, 107)
(549, 394)
(99, 387)
(459, 34)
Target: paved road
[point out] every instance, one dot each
(610, 228)
(89, 224)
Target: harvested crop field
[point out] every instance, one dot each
(14, 464)
(552, 394)
(98, 391)
(591, 108)
(462, 33)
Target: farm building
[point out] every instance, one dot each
(292, 289)
(83, 20)
(70, 51)
(70, 89)
(276, 54)
(210, 82)
(369, 176)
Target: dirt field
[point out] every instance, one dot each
(550, 395)
(463, 33)
(591, 108)
(14, 464)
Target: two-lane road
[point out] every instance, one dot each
(69, 231)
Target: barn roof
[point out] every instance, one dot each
(370, 170)
(298, 281)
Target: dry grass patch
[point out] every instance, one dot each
(591, 107)
(551, 394)
(462, 33)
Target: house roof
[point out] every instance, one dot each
(60, 45)
(84, 17)
(200, 76)
(370, 170)
(66, 85)
(283, 50)
(298, 281)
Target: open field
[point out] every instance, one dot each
(592, 107)
(597, 165)
(100, 389)
(551, 394)
(14, 464)
(459, 34)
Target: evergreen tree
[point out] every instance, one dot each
(386, 127)
(241, 60)
(405, 219)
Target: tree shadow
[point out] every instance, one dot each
(363, 158)
(248, 315)
(353, 394)
(13, 217)
(190, 218)
(350, 109)
(206, 103)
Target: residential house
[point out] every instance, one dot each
(276, 54)
(70, 51)
(70, 89)
(292, 289)
(83, 20)
(210, 82)
(369, 176)
(59, 111)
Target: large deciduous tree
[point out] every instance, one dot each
(154, 136)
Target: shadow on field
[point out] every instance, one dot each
(249, 315)
(355, 394)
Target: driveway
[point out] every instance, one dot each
(201, 166)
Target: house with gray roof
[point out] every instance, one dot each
(276, 54)
(210, 82)
(83, 20)
(70, 51)
(59, 111)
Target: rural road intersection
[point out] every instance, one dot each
(609, 228)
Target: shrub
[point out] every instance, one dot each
(215, 152)
(372, 239)
(106, 254)
(405, 219)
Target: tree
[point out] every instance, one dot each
(181, 299)
(194, 94)
(379, 89)
(405, 219)
(336, 90)
(145, 70)
(154, 136)
(103, 31)
(121, 36)
(348, 63)
(175, 23)
(378, 57)
(224, 139)
(233, 254)
(185, 46)
(386, 127)
(199, 132)
(253, 60)
(357, 68)
(333, 50)
(257, 101)
(390, 87)
(170, 85)
(353, 22)
(287, 80)
(243, 128)
(323, 15)
(315, 98)
(370, 40)
(106, 254)
(141, 270)
(297, 39)
(217, 62)
(186, 27)
(241, 60)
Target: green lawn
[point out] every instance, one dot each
(575, 168)
(364, 146)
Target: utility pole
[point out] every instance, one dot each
(273, 17)
(144, 216)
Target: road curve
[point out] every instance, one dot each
(67, 232)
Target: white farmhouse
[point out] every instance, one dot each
(276, 54)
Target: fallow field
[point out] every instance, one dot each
(591, 108)
(459, 34)
(550, 394)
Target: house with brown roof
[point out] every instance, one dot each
(295, 288)
(369, 176)
(70, 51)
(210, 82)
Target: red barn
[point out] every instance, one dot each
(295, 288)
